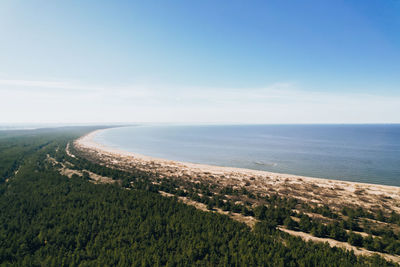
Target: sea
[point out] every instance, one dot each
(359, 153)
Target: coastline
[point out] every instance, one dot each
(311, 189)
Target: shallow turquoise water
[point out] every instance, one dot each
(362, 153)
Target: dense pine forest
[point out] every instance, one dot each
(48, 219)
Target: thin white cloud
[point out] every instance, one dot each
(41, 84)
(60, 87)
(39, 101)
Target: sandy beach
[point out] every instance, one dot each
(334, 193)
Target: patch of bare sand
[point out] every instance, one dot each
(68, 152)
(248, 220)
(64, 170)
(251, 221)
(344, 245)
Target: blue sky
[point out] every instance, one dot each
(200, 61)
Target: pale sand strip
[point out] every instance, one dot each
(334, 243)
(334, 193)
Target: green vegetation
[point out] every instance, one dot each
(278, 211)
(48, 219)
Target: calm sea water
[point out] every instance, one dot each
(361, 153)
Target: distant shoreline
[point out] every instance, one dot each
(87, 141)
(320, 190)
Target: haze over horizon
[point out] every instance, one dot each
(200, 62)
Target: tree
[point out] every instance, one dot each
(260, 211)
(290, 223)
(355, 239)
(305, 224)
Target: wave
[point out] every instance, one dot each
(268, 164)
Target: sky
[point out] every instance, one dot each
(203, 61)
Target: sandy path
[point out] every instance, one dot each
(345, 245)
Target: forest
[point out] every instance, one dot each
(48, 219)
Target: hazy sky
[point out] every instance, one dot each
(200, 61)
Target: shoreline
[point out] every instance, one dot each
(354, 192)
(87, 141)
